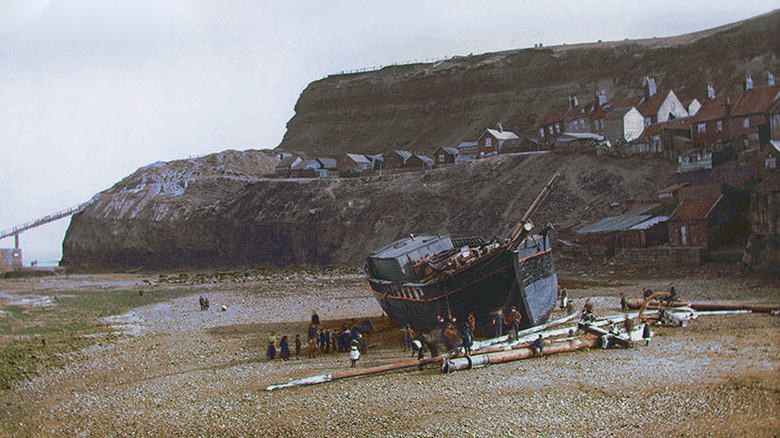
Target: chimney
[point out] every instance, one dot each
(748, 82)
(572, 101)
(770, 79)
(710, 92)
(649, 87)
(601, 98)
(500, 127)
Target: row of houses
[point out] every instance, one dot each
(694, 134)
(291, 166)
(680, 216)
(491, 142)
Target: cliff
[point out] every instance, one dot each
(220, 212)
(421, 107)
(233, 219)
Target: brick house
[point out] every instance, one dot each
(419, 162)
(490, 142)
(445, 155)
(706, 223)
(396, 159)
(763, 249)
(353, 164)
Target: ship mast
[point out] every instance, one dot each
(524, 226)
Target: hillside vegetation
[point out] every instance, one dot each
(220, 212)
(421, 107)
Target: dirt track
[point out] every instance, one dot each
(183, 372)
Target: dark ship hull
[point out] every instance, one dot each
(523, 278)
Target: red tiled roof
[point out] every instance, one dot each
(555, 115)
(757, 100)
(715, 109)
(694, 209)
(651, 106)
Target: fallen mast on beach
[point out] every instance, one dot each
(607, 332)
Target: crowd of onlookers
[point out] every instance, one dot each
(321, 340)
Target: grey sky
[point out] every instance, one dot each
(91, 90)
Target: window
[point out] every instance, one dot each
(440, 158)
(746, 123)
(719, 126)
(701, 128)
(488, 142)
(541, 133)
(557, 128)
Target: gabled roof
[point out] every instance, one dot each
(403, 154)
(428, 161)
(500, 135)
(674, 124)
(556, 115)
(466, 145)
(449, 151)
(694, 209)
(757, 100)
(287, 162)
(715, 109)
(306, 164)
(651, 106)
(359, 159)
(327, 163)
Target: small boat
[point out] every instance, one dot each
(421, 280)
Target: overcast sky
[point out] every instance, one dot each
(91, 90)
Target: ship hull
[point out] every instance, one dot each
(524, 279)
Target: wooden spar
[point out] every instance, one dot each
(755, 308)
(519, 233)
(356, 372)
(600, 332)
(482, 360)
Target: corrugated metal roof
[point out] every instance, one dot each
(620, 223)
(357, 158)
(649, 223)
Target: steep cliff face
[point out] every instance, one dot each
(228, 222)
(421, 107)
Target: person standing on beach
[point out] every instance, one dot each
(284, 348)
(298, 345)
(312, 340)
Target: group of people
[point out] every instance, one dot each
(321, 340)
(511, 320)
(447, 332)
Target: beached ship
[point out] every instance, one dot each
(420, 278)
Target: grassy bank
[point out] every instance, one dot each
(34, 338)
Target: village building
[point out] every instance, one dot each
(623, 125)
(377, 162)
(396, 159)
(353, 164)
(10, 259)
(491, 141)
(667, 140)
(657, 107)
(419, 162)
(445, 155)
(283, 169)
(642, 226)
(328, 168)
(305, 169)
(763, 249)
(707, 222)
(467, 151)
